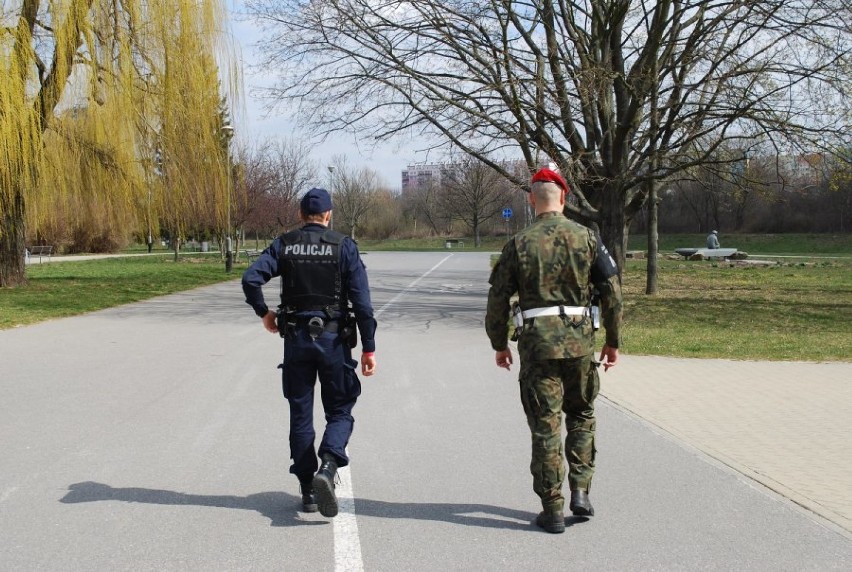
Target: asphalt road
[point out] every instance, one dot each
(153, 437)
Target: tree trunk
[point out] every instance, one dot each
(653, 239)
(477, 241)
(12, 242)
(613, 225)
(176, 244)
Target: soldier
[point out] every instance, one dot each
(321, 274)
(554, 266)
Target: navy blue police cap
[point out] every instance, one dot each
(316, 201)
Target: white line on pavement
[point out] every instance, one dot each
(347, 544)
(390, 302)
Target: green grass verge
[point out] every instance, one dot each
(59, 289)
(790, 311)
(775, 244)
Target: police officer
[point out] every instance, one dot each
(554, 266)
(321, 275)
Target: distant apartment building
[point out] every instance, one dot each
(422, 175)
(804, 167)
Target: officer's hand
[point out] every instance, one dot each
(608, 357)
(504, 359)
(269, 322)
(368, 364)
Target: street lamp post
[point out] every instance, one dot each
(150, 241)
(331, 190)
(228, 131)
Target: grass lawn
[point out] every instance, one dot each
(790, 311)
(775, 244)
(59, 289)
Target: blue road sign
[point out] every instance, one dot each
(507, 213)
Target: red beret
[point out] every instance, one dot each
(550, 176)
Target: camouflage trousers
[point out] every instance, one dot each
(550, 388)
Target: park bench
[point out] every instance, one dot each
(251, 254)
(453, 242)
(40, 250)
(707, 252)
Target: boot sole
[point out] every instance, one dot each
(309, 507)
(326, 499)
(582, 511)
(553, 527)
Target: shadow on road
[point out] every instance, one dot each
(278, 507)
(282, 508)
(482, 515)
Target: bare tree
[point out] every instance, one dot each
(425, 204)
(570, 82)
(839, 193)
(475, 194)
(256, 183)
(353, 196)
(276, 173)
(386, 219)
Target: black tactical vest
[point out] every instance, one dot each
(309, 263)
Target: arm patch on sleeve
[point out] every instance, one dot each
(604, 266)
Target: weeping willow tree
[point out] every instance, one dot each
(110, 118)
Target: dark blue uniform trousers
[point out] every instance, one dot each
(329, 358)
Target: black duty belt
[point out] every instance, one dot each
(316, 325)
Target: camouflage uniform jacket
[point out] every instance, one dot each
(554, 261)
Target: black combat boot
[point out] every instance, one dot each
(580, 504)
(309, 496)
(552, 521)
(324, 486)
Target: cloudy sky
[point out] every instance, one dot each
(256, 123)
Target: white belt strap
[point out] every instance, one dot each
(578, 311)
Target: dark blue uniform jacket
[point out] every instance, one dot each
(354, 280)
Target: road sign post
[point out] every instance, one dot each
(507, 215)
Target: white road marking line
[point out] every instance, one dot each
(347, 543)
(410, 286)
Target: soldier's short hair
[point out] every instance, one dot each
(545, 190)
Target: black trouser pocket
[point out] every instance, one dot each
(285, 389)
(351, 384)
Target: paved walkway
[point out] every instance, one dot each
(787, 425)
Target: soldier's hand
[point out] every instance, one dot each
(504, 359)
(368, 364)
(269, 322)
(608, 357)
